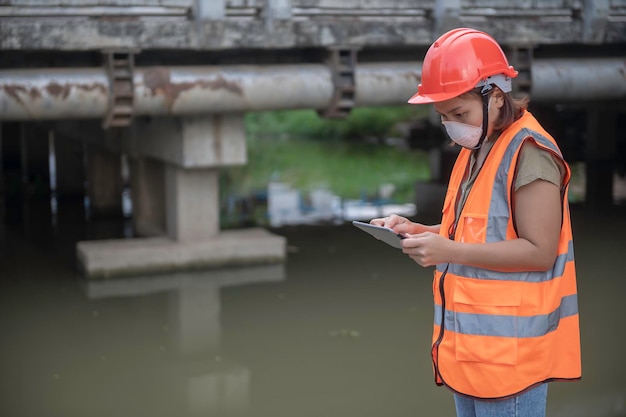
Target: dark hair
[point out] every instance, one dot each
(511, 110)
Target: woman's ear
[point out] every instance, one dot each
(498, 98)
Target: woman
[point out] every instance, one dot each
(506, 311)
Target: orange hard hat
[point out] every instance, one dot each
(459, 61)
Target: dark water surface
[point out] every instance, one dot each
(341, 330)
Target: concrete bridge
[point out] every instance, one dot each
(166, 83)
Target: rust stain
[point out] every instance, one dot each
(93, 87)
(26, 97)
(221, 83)
(14, 92)
(34, 94)
(58, 90)
(158, 80)
(54, 89)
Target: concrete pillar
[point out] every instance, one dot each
(2, 187)
(70, 166)
(600, 151)
(35, 152)
(178, 190)
(147, 178)
(11, 172)
(104, 174)
(192, 197)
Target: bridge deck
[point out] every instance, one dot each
(87, 25)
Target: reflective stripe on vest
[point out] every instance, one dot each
(508, 326)
(530, 276)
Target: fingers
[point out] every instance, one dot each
(414, 241)
(378, 222)
(390, 222)
(417, 248)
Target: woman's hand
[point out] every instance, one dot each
(399, 224)
(402, 225)
(428, 249)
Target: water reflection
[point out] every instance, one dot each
(214, 384)
(341, 330)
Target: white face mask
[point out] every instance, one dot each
(463, 134)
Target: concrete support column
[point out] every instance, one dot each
(192, 197)
(2, 186)
(11, 160)
(175, 166)
(600, 147)
(104, 174)
(70, 166)
(147, 179)
(34, 159)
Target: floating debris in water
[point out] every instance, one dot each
(345, 333)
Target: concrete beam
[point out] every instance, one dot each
(192, 142)
(231, 34)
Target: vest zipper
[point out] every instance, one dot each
(451, 234)
(442, 326)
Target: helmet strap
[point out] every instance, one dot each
(485, 95)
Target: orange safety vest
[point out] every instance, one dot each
(498, 333)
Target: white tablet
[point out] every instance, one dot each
(385, 234)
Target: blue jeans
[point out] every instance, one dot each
(531, 403)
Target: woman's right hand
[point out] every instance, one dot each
(399, 224)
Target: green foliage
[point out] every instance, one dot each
(307, 151)
(349, 170)
(362, 123)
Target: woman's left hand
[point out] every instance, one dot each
(427, 249)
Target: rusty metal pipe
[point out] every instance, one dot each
(45, 94)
